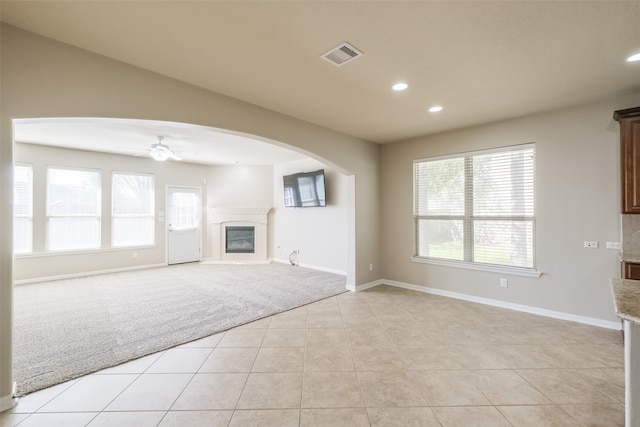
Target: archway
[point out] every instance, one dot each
(29, 147)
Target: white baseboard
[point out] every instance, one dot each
(313, 267)
(8, 402)
(364, 286)
(86, 274)
(497, 303)
(221, 261)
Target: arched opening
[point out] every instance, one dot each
(107, 145)
(232, 169)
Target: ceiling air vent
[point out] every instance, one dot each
(342, 54)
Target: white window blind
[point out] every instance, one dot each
(184, 213)
(73, 208)
(477, 207)
(132, 209)
(22, 208)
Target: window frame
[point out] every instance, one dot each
(49, 216)
(151, 216)
(468, 218)
(29, 215)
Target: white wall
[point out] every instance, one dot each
(238, 186)
(318, 233)
(41, 264)
(577, 199)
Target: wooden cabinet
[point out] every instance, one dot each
(630, 157)
(631, 270)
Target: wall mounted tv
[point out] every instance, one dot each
(305, 189)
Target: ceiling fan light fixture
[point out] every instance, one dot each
(159, 155)
(160, 152)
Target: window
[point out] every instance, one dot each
(132, 209)
(73, 208)
(22, 208)
(477, 207)
(184, 210)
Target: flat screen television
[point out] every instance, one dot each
(305, 189)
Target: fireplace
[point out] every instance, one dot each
(238, 234)
(239, 240)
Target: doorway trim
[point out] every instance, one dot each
(167, 219)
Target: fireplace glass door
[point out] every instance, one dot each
(240, 240)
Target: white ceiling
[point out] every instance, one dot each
(482, 61)
(194, 144)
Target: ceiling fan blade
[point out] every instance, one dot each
(158, 149)
(174, 156)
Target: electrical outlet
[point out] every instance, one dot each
(370, 267)
(614, 245)
(135, 254)
(504, 283)
(591, 245)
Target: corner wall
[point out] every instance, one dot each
(577, 199)
(238, 186)
(6, 252)
(320, 234)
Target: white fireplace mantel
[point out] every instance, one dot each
(220, 217)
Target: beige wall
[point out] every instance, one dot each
(318, 233)
(44, 78)
(6, 251)
(577, 199)
(41, 264)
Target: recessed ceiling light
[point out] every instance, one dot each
(634, 58)
(435, 109)
(400, 86)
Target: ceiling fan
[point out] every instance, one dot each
(159, 151)
(162, 152)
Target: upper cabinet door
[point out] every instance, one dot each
(630, 158)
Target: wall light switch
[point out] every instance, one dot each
(614, 245)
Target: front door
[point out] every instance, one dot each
(184, 219)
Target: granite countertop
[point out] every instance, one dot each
(630, 256)
(626, 299)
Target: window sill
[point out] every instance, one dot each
(81, 251)
(516, 271)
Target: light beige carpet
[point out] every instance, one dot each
(68, 328)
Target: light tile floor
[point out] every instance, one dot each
(382, 357)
